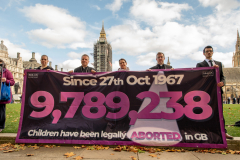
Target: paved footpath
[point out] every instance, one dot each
(57, 153)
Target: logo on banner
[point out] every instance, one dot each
(207, 73)
(32, 75)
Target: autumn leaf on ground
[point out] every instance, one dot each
(99, 147)
(117, 149)
(35, 147)
(151, 150)
(69, 154)
(140, 151)
(111, 154)
(30, 155)
(16, 146)
(153, 155)
(106, 148)
(133, 158)
(7, 151)
(158, 150)
(170, 150)
(83, 146)
(76, 147)
(47, 146)
(90, 148)
(78, 158)
(133, 149)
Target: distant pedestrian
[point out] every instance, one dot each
(228, 100)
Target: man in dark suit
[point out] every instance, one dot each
(160, 57)
(209, 62)
(84, 68)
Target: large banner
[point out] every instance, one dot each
(180, 107)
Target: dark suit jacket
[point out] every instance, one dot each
(157, 67)
(80, 69)
(205, 64)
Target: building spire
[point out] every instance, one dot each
(168, 62)
(237, 34)
(102, 33)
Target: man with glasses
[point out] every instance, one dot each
(209, 62)
(44, 62)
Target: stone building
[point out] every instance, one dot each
(32, 63)
(232, 75)
(15, 66)
(102, 53)
(232, 87)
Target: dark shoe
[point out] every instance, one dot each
(228, 136)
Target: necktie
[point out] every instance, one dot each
(211, 63)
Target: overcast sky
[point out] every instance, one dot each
(136, 29)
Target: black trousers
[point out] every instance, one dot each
(223, 116)
(2, 115)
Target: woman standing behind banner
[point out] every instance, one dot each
(123, 65)
(44, 62)
(7, 78)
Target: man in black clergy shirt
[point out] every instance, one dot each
(160, 57)
(84, 68)
(209, 62)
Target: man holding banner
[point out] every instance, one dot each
(160, 57)
(84, 68)
(209, 62)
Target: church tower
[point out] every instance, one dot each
(236, 55)
(102, 53)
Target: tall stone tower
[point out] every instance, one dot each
(102, 53)
(236, 55)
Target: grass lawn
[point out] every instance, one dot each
(12, 118)
(231, 114)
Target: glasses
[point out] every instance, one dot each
(208, 51)
(43, 59)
